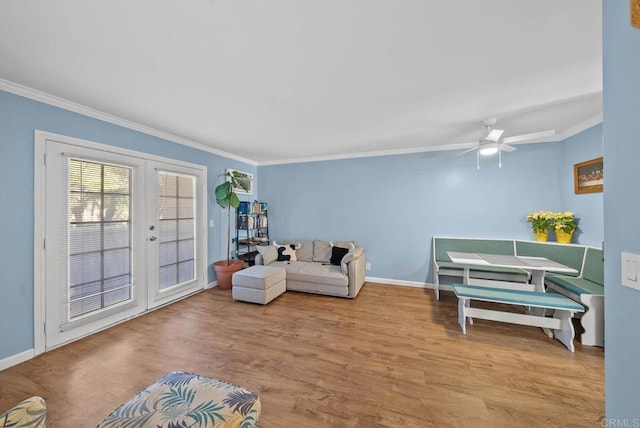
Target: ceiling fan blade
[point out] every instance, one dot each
(529, 137)
(467, 151)
(506, 148)
(494, 135)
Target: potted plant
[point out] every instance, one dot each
(227, 198)
(564, 225)
(541, 222)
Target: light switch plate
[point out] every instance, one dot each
(630, 270)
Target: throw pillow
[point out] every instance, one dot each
(286, 253)
(269, 253)
(337, 253)
(321, 251)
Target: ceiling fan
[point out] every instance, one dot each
(491, 142)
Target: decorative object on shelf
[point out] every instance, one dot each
(635, 13)
(252, 229)
(564, 225)
(588, 176)
(227, 198)
(541, 222)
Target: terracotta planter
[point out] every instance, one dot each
(541, 235)
(563, 237)
(224, 272)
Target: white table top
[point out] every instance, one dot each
(498, 260)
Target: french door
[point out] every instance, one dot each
(123, 234)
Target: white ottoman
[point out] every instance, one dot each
(258, 284)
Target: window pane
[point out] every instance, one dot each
(185, 208)
(168, 276)
(116, 235)
(116, 262)
(185, 186)
(185, 250)
(116, 207)
(84, 238)
(168, 253)
(168, 230)
(185, 229)
(168, 207)
(85, 268)
(185, 271)
(116, 179)
(167, 184)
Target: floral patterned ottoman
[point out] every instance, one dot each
(183, 399)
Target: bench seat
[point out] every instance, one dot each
(577, 286)
(563, 307)
(588, 289)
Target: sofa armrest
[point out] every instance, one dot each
(356, 271)
(29, 413)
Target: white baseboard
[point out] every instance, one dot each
(404, 283)
(16, 359)
(211, 285)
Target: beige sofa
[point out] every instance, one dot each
(310, 269)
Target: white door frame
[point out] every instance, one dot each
(39, 295)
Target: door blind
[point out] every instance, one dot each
(176, 202)
(99, 237)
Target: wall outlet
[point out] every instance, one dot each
(211, 223)
(367, 266)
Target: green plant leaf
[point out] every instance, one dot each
(234, 201)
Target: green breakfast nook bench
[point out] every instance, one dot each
(585, 286)
(563, 307)
(588, 289)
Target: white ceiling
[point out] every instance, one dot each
(283, 80)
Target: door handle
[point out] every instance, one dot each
(152, 238)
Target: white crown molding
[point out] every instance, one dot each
(43, 97)
(52, 100)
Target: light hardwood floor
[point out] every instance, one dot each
(392, 357)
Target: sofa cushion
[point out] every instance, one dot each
(268, 252)
(314, 272)
(321, 251)
(337, 253)
(304, 250)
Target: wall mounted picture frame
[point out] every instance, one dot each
(635, 13)
(588, 176)
(245, 177)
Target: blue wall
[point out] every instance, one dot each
(587, 206)
(621, 47)
(19, 118)
(393, 205)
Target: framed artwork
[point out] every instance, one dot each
(635, 13)
(588, 177)
(245, 177)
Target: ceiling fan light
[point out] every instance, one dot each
(488, 150)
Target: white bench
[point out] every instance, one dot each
(564, 309)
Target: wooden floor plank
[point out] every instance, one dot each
(394, 356)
